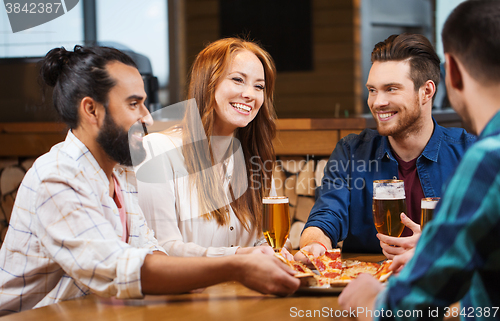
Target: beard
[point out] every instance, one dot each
(114, 140)
(408, 122)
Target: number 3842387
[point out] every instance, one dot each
(33, 7)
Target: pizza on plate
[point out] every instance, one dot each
(335, 272)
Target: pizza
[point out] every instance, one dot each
(352, 268)
(301, 269)
(335, 272)
(384, 272)
(328, 265)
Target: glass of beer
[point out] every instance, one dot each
(389, 202)
(276, 221)
(427, 205)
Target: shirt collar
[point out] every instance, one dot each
(492, 128)
(79, 152)
(384, 149)
(431, 150)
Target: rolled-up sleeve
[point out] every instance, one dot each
(128, 273)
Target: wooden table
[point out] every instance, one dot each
(226, 302)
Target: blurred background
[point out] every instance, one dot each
(321, 47)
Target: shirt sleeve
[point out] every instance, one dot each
(458, 250)
(75, 233)
(330, 212)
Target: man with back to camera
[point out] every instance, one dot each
(408, 145)
(76, 227)
(457, 256)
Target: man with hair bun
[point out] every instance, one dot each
(458, 254)
(76, 227)
(408, 145)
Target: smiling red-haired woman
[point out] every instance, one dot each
(219, 160)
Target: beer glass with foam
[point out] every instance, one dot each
(389, 201)
(427, 205)
(276, 221)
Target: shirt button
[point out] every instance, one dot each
(229, 176)
(231, 228)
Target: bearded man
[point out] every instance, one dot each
(76, 227)
(408, 145)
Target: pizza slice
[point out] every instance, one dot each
(328, 265)
(307, 254)
(299, 267)
(351, 270)
(355, 268)
(302, 270)
(384, 273)
(318, 281)
(281, 257)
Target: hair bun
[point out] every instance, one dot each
(53, 65)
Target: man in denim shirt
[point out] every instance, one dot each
(408, 145)
(457, 256)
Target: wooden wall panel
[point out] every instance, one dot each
(337, 4)
(202, 25)
(32, 145)
(311, 142)
(314, 84)
(203, 8)
(333, 17)
(305, 94)
(314, 106)
(337, 34)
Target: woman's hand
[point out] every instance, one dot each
(265, 249)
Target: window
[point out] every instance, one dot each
(138, 25)
(66, 30)
(443, 10)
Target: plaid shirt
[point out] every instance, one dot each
(459, 250)
(64, 236)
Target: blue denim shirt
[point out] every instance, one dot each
(343, 208)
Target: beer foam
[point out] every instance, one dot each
(390, 198)
(388, 191)
(275, 200)
(430, 205)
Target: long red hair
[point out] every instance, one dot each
(208, 70)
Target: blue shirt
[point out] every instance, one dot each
(343, 208)
(459, 250)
